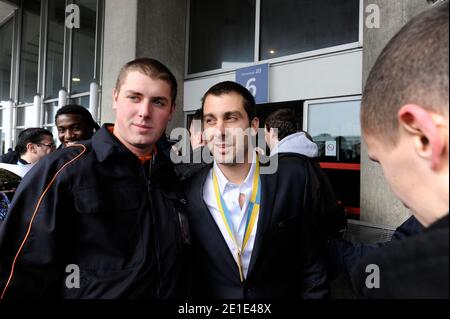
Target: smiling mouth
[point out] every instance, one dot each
(144, 127)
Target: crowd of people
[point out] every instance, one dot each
(110, 202)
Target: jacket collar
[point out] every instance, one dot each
(268, 191)
(106, 144)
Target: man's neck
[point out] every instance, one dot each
(237, 173)
(27, 158)
(139, 152)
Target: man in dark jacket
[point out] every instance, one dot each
(283, 139)
(197, 155)
(104, 218)
(344, 255)
(251, 236)
(32, 145)
(404, 118)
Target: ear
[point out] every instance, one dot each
(254, 125)
(115, 95)
(273, 133)
(429, 130)
(31, 148)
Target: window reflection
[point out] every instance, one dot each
(6, 31)
(303, 25)
(83, 101)
(222, 34)
(29, 53)
(26, 116)
(50, 112)
(83, 54)
(336, 130)
(55, 48)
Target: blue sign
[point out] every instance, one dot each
(256, 80)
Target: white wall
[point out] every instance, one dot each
(330, 75)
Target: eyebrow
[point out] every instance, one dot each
(160, 98)
(132, 92)
(153, 98)
(236, 113)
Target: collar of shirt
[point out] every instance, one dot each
(21, 161)
(230, 193)
(226, 186)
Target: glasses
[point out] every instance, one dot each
(51, 145)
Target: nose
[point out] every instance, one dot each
(145, 109)
(69, 135)
(220, 127)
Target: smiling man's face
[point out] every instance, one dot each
(143, 108)
(225, 122)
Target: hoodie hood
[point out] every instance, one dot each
(296, 143)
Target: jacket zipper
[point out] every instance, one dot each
(155, 236)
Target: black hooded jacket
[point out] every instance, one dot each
(90, 221)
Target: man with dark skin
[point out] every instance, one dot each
(74, 124)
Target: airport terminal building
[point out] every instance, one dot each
(309, 56)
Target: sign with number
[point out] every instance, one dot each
(256, 80)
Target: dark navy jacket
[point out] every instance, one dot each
(286, 261)
(345, 255)
(94, 206)
(415, 267)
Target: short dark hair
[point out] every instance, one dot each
(79, 110)
(233, 87)
(284, 120)
(197, 116)
(33, 135)
(151, 68)
(412, 68)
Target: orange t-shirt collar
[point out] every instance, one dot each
(143, 158)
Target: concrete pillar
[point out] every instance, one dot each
(119, 47)
(378, 203)
(137, 28)
(161, 35)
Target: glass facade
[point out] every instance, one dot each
(84, 48)
(25, 115)
(305, 25)
(40, 54)
(6, 33)
(50, 110)
(338, 136)
(82, 100)
(339, 140)
(55, 48)
(29, 51)
(222, 34)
